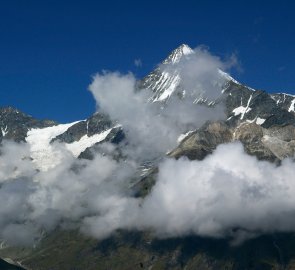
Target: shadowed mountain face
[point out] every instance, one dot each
(6, 266)
(15, 124)
(264, 123)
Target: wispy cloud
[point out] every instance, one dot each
(138, 62)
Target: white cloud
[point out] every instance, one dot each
(228, 195)
(138, 62)
(221, 196)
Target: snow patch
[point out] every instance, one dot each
(183, 136)
(169, 83)
(44, 155)
(292, 105)
(257, 120)
(4, 131)
(260, 121)
(285, 94)
(76, 148)
(243, 110)
(47, 156)
(3, 244)
(186, 50)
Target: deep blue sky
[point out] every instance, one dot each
(50, 49)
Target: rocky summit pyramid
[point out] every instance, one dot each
(264, 123)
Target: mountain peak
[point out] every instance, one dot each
(185, 49)
(175, 56)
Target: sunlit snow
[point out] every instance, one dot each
(44, 155)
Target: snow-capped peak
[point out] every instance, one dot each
(186, 50)
(178, 53)
(165, 81)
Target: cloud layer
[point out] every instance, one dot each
(217, 197)
(229, 194)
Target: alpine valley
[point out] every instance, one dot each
(263, 123)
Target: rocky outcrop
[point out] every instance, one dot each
(272, 144)
(15, 124)
(203, 141)
(95, 124)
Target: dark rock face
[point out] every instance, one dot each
(6, 266)
(14, 124)
(67, 250)
(115, 137)
(74, 133)
(260, 104)
(95, 124)
(284, 100)
(98, 123)
(272, 144)
(203, 141)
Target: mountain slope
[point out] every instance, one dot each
(265, 125)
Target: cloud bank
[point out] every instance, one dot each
(217, 197)
(229, 194)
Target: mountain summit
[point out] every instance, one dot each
(169, 78)
(178, 53)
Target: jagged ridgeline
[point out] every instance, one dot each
(264, 123)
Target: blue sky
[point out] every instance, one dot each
(50, 49)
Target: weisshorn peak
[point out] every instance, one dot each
(169, 78)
